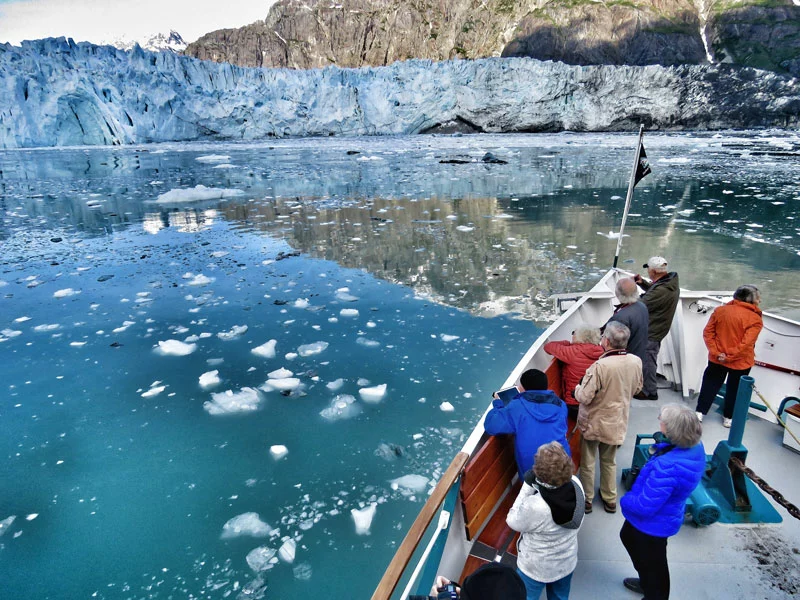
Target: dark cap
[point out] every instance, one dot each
(493, 581)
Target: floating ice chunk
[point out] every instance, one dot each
(290, 355)
(448, 338)
(245, 524)
(235, 332)
(175, 348)
(278, 451)
(373, 394)
(65, 293)
(262, 558)
(6, 523)
(224, 166)
(344, 295)
(362, 382)
(209, 379)
(303, 572)
(412, 484)
(311, 349)
(446, 407)
(301, 303)
(154, 391)
(213, 158)
(465, 228)
(343, 406)
(282, 384)
(756, 225)
(31, 516)
(9, 333)
(47, 327)
(265, 350)
(334, 385)
(228, 402)
(616, 197)
(197, 193)
(363, 518)
(21, 319)
(362, 341)
(198, 280)
(287, 551)
(348, 312)
(612, 235)
(281, 373)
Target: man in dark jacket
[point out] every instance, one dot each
(632, 313)
(535, 416)
(661, 297)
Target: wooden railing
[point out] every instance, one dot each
(395, 570)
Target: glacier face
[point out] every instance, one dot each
(55, 92)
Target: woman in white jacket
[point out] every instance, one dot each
(548, 513)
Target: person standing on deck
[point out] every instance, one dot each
(605, 397)
(661, 297)
(548, 512)
(730, 336)
(632, 313)
(577, 356)
(535, 416)
(655, 506)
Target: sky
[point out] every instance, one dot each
(107, 20)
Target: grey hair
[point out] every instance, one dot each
(659, 269)
(747, 293)
(626, 291)
(586, 334)
(681, 425)
(617, 335)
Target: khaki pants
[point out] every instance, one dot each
(608, 469)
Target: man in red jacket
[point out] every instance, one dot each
(730, 337)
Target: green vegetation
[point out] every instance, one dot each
(506, 6)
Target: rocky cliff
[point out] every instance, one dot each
(56, 93)
(354, 33)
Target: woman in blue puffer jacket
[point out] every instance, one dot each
(654, 508)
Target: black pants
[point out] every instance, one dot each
(649, 556)
(713, 378)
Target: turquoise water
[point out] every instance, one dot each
(120, 475)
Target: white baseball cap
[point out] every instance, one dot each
(655, 262)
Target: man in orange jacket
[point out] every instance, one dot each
(730, 337)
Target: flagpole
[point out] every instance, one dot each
(630, 195)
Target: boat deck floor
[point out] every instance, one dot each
(719, 561)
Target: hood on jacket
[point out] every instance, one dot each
(543, 405)
(566, 503)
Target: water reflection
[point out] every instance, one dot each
(487, 238)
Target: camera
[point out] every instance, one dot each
(448, 592)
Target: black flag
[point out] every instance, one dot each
(642, 168)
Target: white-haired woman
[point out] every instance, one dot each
(655, 506)
(577, 356)
(730, 336)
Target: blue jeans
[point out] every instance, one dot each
(556, 590)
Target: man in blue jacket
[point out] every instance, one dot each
(535, 416)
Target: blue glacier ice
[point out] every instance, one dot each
(55, 92)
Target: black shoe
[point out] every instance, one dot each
(643, 396)
(587, 507)
(610, 507)
(633, 584)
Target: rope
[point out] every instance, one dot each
(791, 508)
(781, 421)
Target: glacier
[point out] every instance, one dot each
(55, 92)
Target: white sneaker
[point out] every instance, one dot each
(699, 416)
(727, 422)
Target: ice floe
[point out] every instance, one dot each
(301, 303)
(262, 558)
(367, 343)
(6, 523)
(446, 407)
(335, 385)
(287, 551)
(209, 379)
(344, 295)
(410, 484)
(311, 349)
(198, 193)
(198, 280)
(175, 348)
(278, 451)
(10, 333)
(213, 158)
(65, 293)
(233, 333)
(229, 402)
(373, 394)
(47, 327)
(281, 384)
(348, 312)
(465, 228)
(154, 390)
(363, 518)
(448, 338)
(246, 524)
(266, 350)
(281, 373)
(343, 406)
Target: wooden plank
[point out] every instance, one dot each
(470, 566)
(483, 460)
(497, 532)
(483, 510)
(394, 571)
(487, 480)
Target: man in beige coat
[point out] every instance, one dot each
(604, 396)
